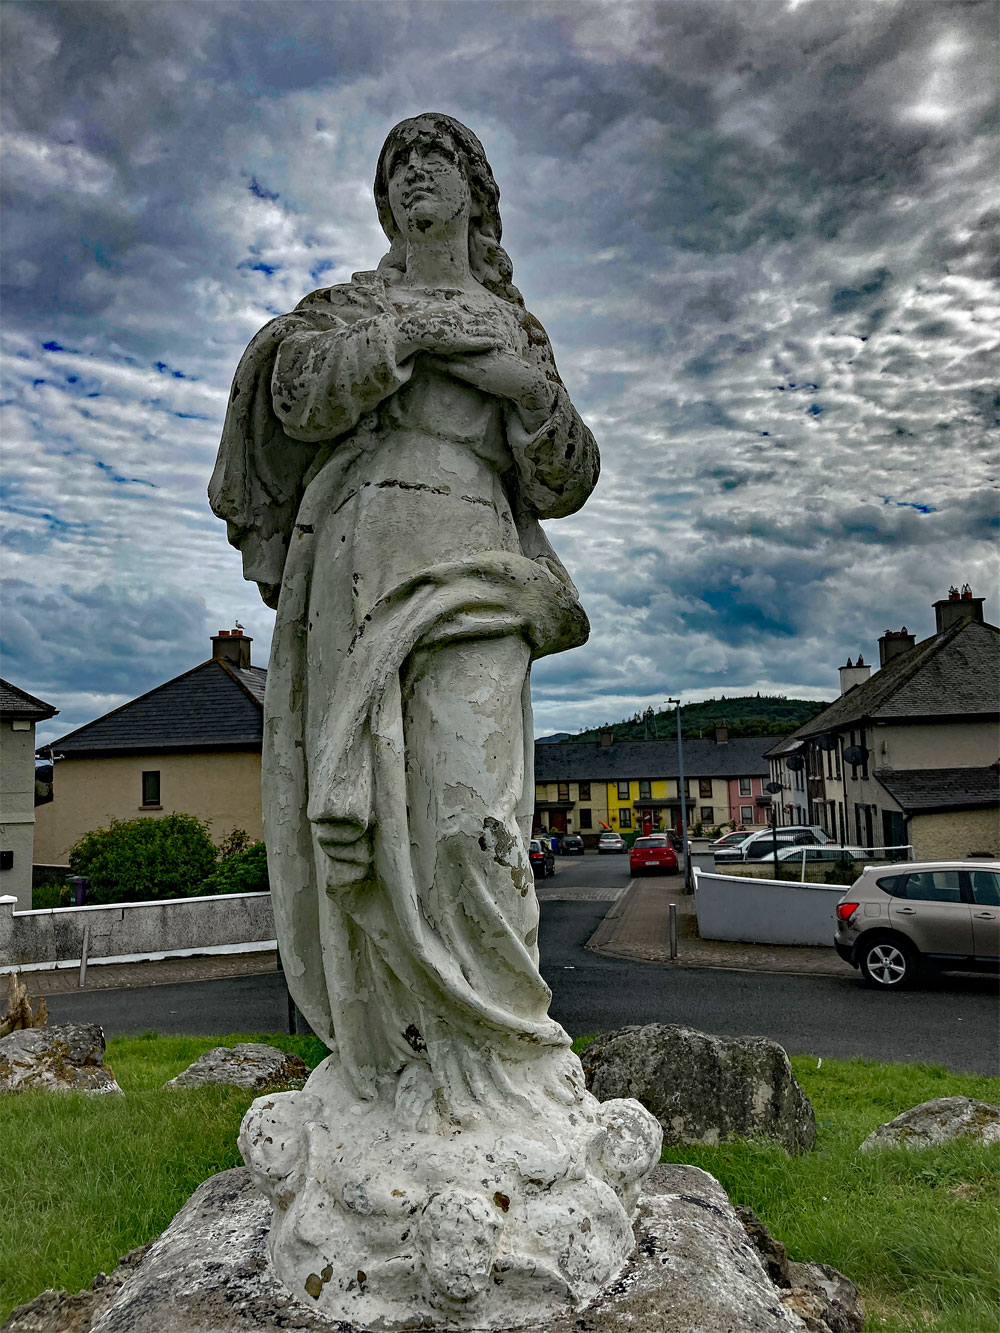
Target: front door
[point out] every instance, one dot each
(933, 914)
(985, 912)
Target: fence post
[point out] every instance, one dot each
(84, 948)
(673, 930)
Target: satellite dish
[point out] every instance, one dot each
(855, 754)
(795, 763)
(773, 787)
(826, 741)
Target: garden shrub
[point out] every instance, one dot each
(241, 872)
(134, 860)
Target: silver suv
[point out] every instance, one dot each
(938, 914)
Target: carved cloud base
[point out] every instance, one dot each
(397, 1214)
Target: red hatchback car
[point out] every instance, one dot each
(652, 853)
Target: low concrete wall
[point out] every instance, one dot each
(124, 932)
(765, 911)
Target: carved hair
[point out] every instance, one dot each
(488, 260)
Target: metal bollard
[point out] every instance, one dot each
(84, 949)
(673, 930)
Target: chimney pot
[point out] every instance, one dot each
(853, 675)
(232, 646)
(958, 606)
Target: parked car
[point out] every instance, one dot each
(832, 852)
(757, 846)
(730, 839)
(652, 853)
(896, 920)
(571, 844)
(542, 857)
(611, 842)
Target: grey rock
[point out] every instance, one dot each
(61, 1312)
(703, 1089)
(825, 1300)
(248, 1064)
(694, 1270)
(938, 1121)
(68, 1058)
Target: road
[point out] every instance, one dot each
(951, 1021)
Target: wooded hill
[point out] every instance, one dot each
(749, 715)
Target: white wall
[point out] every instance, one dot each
(765, 911)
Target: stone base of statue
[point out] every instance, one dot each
(692, 1266)
(404, 1212)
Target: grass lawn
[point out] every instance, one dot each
(84, 1179)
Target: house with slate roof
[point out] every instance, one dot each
(908, 753)
(19, 711)
(191, 746)
(625, 786)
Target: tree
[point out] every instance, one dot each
(138, 859)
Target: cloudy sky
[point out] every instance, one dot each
(761, 235)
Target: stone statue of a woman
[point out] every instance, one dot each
(389, 449)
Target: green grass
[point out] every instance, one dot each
(83, 1180)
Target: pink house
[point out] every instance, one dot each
(742, 795)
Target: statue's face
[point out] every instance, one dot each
(427, 187)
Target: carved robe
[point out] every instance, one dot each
(390, 513)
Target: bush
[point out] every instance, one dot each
(240, 872)
(137, 859)
(50, 893)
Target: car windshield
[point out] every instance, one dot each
(534, 846)
(650, 842)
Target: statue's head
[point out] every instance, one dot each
(487, 258)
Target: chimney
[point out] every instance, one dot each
(232, 646)
(721, 733)
(853, 674)
(607, 737)
(892, 643)
(958, 606)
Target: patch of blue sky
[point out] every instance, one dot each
(117, 477)
(259, 266)
(319, 268)
(191, 416)
(814, 410)
(165, 369)
(261, 191)
(793, 386)
(909, 504)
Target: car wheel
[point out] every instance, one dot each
(887, 964)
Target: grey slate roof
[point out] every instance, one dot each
(927, 789)
(19, 703)
(213, 706)
(590, 761)
(953, 674)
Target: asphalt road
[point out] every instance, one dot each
(951, 1021)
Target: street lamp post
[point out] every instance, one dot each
(680, 787)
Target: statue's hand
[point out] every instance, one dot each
(447, 331)
(505, 375)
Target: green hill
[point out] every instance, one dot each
(749, 715)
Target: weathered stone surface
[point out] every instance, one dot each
(938, 1121)
(62, 1312)
(248, 1064)
(703, 1089)
(68, 1058)
(16, 1008)
(389, 451)
(821, 1297)
(694, 1270)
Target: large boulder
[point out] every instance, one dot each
(68, 1058)
(817, 1293)
(694, 1268)
(249, 1064)
(938, 1121)
(703, 1089)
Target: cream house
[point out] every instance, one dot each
(907, 754)
(189, 746)
(19, 711)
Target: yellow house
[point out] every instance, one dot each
(190, 746)
(19, 711)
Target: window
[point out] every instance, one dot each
(7, 859)
(623, 791)
(705, 788)
(151, 788)
(625, 818)
(586, 818)
(744, 786)
(985, 888)
(746, 814)
(707, 814)
(563, 790)
(645, 789)
(930, 886)
(584, 791)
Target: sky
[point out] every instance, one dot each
(762, 237)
